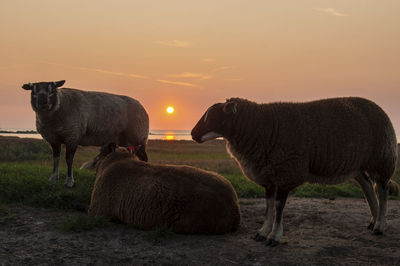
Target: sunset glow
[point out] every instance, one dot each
(167, 52)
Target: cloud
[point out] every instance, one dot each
(112, 72)
(330, 11)
(137, 76)
(185, 84)
(13, 66)
(233, 79)
(175, 43)
(222, 68)
(208, 60)
(102, 71)
(192, 75)
(54, 64)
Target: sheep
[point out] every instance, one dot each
(74, 117)
(185, 199)
(282, 145)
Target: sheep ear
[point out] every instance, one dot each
(58, 83)
(28, 86)
(230, 108)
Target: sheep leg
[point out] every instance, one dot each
(141, 153)
(380, 224)
(69, 156)
(269, 215)
(277, 229)
(56, 161)
(370, 195)
(106, 149)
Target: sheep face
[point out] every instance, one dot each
(119, 154)
(43, 95)
(214, 122)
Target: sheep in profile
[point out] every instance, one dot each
(186, 199)
(74, 117)
(282, 145)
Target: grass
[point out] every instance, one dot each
(26, 165)
(247, 202)
(28, 184)
(80, 222)
(245, 188)
(322, 191)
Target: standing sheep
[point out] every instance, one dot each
(183, 198)
(282, 145)
(74, 117)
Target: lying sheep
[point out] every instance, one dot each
(74, 117)
(282, 145)
(186, 199)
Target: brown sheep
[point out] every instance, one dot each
(186, 199)
(282, 145)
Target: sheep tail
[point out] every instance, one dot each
(80, 207)
(393, 187)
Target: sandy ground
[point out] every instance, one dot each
(316, 231)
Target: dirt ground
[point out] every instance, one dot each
(316, 231)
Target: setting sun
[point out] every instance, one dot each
(170, 110)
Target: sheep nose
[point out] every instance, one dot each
(195, 137)
(42, 99)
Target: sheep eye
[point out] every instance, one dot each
(51, 89)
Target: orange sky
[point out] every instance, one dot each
(191, 54)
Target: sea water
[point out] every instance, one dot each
(154, 134)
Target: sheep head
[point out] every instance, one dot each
(119, 154)
(43, 95)
(215, 121)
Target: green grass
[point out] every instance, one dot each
(28, 184)
(247, 202)
(26, 165)
(80, 222)
(245, 188)
(12, 151)
(323, 191)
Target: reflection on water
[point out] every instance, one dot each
(169, 137)
(31, 136)
(170, 134)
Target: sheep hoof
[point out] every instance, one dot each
(69, 183)
(371, 226)
(271, 243)
(377, 232)
(90, 165)
(259, 238)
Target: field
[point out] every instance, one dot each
(38, 224)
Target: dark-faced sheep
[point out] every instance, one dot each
(186, 199)
(74, 117)
(282, 145)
